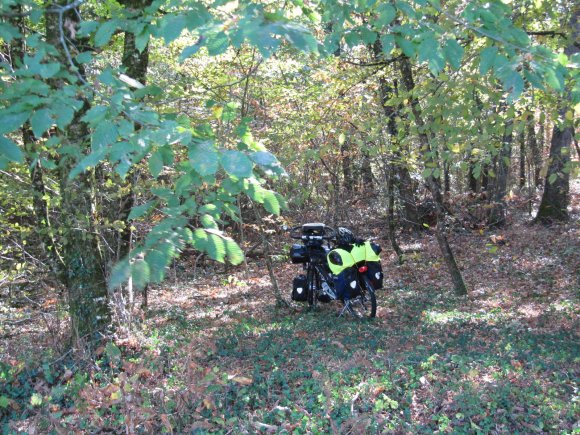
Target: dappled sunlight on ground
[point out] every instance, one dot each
(215, 353)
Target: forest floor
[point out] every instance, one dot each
(215, 354)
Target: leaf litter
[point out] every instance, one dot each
(215, 354)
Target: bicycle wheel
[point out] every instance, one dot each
(365, 304)
(312, 286)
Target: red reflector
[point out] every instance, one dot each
(363, 269)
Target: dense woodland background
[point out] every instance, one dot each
(152, 150)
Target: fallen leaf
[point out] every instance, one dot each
(242, 380)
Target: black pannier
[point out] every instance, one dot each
(375, 274)
(299, 292)
(298, 254)
(346, 284)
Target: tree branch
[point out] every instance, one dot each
(545, 33)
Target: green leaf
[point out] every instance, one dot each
(140, 273)
(105, 134)
(429, 51)
(514, 84)
(84, 57)
(408, 47)
(95, 114)
(298, 36)
(120, 273)
(113, 353)
(387, 43)
(203, 158)
(142, 39)
(155, 164)
(555, 78)
(231, 186)
(552, 178)
(64, 116)
(229, 112)
(105, 32)
(271, 203)
(141, 210)
(405, 8)
(36, 399)
(215, 247)
(208, 208)
(476, 171)
(8, 32)
(427, 47)
(172, 26)
(158, 260)
(91, 160)
(87, 27)
(368, 36)
(189, 51)
(12, 121)
(48, 70)
(487, 59)
(208, 222)
(234, 252)
(453, 53)
(236, 163)
(40, 121)
(264, 158)
(10, 150)
(197, 16)
(387, 14)
(254, 190)
(4, 402)
(217, 44)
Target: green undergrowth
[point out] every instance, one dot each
(430, 365)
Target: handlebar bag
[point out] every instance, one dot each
(298, 254)
(299, 292)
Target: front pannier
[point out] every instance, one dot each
(299, 292)
(346, 284)
(298, 254)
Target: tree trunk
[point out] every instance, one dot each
(554, 204)
(471, 179)
(391, 214)
(136, 64)
(402, 178)
(497, 215)
(432, 183)
(347, 177)
(446, 177)
(367, 172)
(85, 275)
(484, 186)
(39, 192)
(535, 151)
(522, 178)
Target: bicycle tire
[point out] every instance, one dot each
(311, 286)
(365, 304)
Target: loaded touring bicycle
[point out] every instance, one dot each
(337, 266)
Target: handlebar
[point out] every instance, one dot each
(297, 232)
